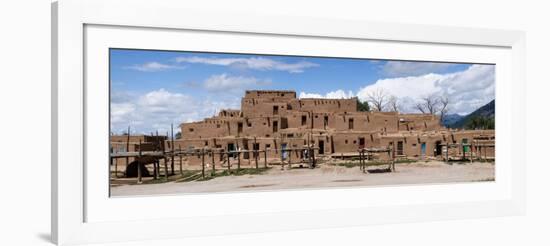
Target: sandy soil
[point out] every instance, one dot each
(323, 176)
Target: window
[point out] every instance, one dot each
(346, 141)
(218, 126)
(399, 147)
(275, 110)
(239, 127)
(275, 126)
(205, 143)
(325, 122)
(267, 146)
(304, 119)
(350, 122)
(191, 129)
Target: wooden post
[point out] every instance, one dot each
(228, 161)
(366, 156)
(138, 161)
(255, 152)
(290, 159)
(181, 159)
(282, 161)
(446, 152)
(172, 147)
(127, 147)
(238, 160)
(361, 160)
(202, 158)
(213, 163)
(361, 164)
(471, 154)
(156, 169)
(265, 158)
(313, 157)
(165, 168)
(392, 163)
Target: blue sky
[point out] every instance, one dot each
(151, 89)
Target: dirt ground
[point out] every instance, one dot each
(325, 175)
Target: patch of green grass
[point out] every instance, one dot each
(243, 171)
(484, 180)
(373, 163)
(206, 178)
(348, 164)
(196, 175)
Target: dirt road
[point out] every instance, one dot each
(324, 176)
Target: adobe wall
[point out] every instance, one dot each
(412, 122)
(206, 129)
(327, 105)
(264, 109)
(268, 94)
(347, 142)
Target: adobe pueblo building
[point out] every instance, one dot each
(271, 121)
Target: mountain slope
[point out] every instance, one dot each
(486, 112)
(451, 119)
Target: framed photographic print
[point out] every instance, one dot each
(172, 125)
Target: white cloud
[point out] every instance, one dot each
(224, 82)
(467, 90)
(153, 67)
(256, 63)
(156, 110)
(410, 68)
(338, 94)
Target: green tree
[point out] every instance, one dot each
(480, 123)
(363, 106)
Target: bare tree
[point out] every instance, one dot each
(429, 105)
(378, 99)
(393, 104)
(434, 105)
(420, 107)
(444, 102)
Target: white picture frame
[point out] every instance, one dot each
(83, 213)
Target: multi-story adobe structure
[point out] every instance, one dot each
(277, 119)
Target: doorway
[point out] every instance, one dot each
(361, 143)
(231, 147)
(438, 147)
(321, 147)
